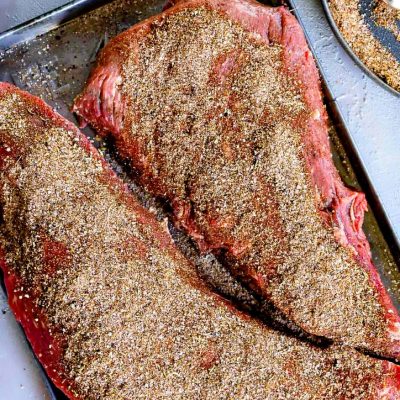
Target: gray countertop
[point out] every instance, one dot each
(20, 375)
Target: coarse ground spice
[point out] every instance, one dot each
(133, 319)
(387, 17)
(371, 52)
(242, 168)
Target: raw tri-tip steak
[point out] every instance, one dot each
(112, 310)
(217, 104)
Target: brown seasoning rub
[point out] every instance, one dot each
(356, 33)
(120, 314)
(203, 110)
(387, 17)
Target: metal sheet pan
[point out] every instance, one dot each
(368, 112)
(51, 57)
(366, 118)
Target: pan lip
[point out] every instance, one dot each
(353, 55)
(368, 185)
(46, 22)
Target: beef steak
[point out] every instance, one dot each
(217, 104)
(112, 310)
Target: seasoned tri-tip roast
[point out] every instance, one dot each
(217, 104)
(112, 310)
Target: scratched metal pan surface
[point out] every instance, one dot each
(52, 56)
(385, 37)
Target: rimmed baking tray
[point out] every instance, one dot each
(366, 116)
(386, 38)
(51, 57)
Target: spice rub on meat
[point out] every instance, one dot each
(217, 104)
(112, 310)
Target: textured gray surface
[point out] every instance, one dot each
(15, 12)
(20, 376)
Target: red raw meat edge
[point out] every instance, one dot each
(102, 105)
(45, 343)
